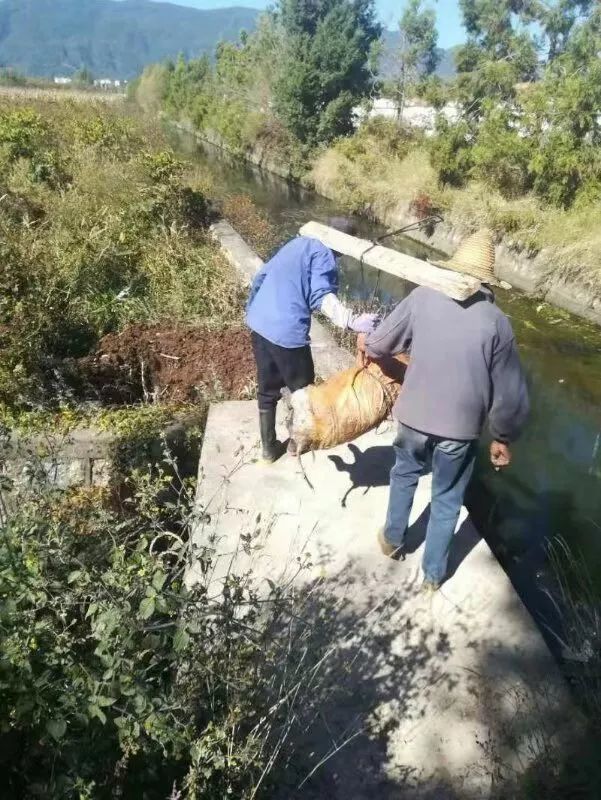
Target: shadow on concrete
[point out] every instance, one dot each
(371, 469)
(392, 668)
(386, 668)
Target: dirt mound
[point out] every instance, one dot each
(176, 364)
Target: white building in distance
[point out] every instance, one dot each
(416, 114)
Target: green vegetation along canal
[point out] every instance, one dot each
(553, 488)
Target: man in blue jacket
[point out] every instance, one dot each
(300, 279)
(464, 369)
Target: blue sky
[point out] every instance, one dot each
(449, 19)
(450, 29)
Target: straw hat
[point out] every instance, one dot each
(475, 256)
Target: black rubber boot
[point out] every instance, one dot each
(272, 448)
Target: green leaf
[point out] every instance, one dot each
(158, 580)
(180, 640)
(74, 576)
(93, 608)
(103, 701)
(95, 711)
(146, 609)
(56, 728)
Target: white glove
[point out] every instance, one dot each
(342, 317)
(363, 323)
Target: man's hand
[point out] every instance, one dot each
(362, 357)
(364, 323)
(500, 455)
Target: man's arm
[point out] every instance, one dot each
(255, 286)
(510, 402)
(323, 275)
(324, 291)
(394, 334)
(342, 317)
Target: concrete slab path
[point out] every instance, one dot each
(445, 692)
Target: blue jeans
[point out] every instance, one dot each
(452, 466)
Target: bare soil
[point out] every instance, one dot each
(170, 364)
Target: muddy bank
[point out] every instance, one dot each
(169, 364)
(532, 275)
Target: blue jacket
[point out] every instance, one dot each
(288, 289)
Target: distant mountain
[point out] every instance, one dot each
(204, 4)
(446, 66)
(112, 39)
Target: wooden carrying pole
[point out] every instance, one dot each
(453, 284)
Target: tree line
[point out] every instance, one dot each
(528, 88)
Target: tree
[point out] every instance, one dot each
(418, 55)
(562, 115)
(187, 88)
(557, 19)
(499, 54)
(530, 86)
(325, 72)
(500, 51)
(84, 77)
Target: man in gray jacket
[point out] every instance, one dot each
(464, 368)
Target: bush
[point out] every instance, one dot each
(378, 136)
(560, 167)
(117, 680)
(150, 89)
(451, 152)
(96, 230)
(250, 223)
(112, 134)
(23, 133)
(501, 156)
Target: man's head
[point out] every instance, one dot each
(475, 256)
(344, 225)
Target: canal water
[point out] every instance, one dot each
(553, 487)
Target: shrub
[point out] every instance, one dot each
(117, 680)
(423, 206)
(250, 223)
(451, 152)
(111, 133)
(150, 89)
(23, 133)
(122, 239)
(501, 155)
(560, 167)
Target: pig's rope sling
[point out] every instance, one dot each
(386, 400)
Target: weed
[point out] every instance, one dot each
(250, 223)
(97, 230)
(117, 678)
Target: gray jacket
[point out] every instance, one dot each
(464, 366)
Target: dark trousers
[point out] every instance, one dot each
(279, 367)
